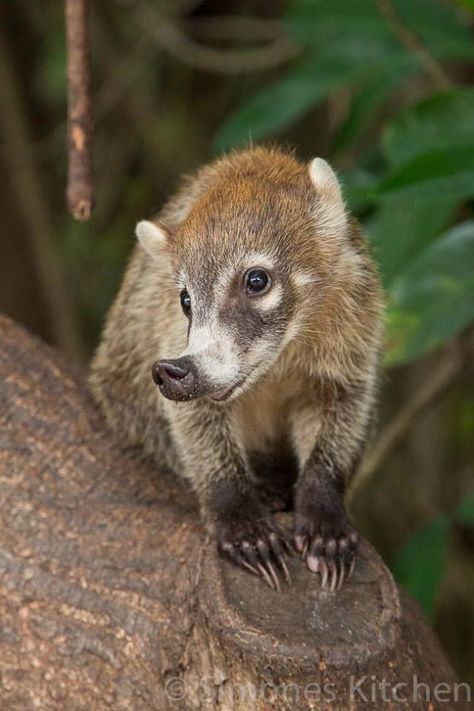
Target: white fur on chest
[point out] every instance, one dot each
(281, 409)
(260, 419)
(276, 419)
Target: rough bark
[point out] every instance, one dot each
(111, 597)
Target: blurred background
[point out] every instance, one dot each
(381, 88)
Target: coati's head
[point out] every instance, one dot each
(252, 261)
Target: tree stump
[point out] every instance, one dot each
(112, 598)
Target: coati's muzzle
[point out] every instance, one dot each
(180, 380)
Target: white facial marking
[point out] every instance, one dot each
(259, 359)
(181, 279)
(257, 259)
(304, 278)
(253, 260)
(212, 344)
(215, 351)
(270, 300)
(291, 331)
(151, 236)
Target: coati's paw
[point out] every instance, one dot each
(256, 545)
(328, 543)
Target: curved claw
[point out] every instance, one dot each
(342, 576)
(324, 570)
(284, 568)
(265, 554)
(257, 546)
(331, 551)
(277, 547)
(266, 576)
(250, 567)
(238, 558)
(271, 569)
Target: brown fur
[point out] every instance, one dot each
(317, 399)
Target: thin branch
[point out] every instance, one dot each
(171, 38)
(80, 190)
(430, 390)
(28, 190)
(410, 39)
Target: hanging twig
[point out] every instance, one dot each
(26, 185)
(80, 190)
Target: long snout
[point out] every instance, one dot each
(212, 372)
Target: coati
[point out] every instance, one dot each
(253, 305)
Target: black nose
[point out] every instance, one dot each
(170, 370)
(175, 378)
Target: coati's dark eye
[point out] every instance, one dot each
(185, 302)
(257, 281)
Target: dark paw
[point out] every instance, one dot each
(328, 543)
(255, 545)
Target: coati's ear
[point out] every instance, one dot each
(331, 209)
(152, 237)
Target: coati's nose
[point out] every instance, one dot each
(175, 378)
(170, 369)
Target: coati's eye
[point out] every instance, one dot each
(185, 302)
(257, 281)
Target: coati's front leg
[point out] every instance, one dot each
(244, 528)
(238, 519)
(323, 532)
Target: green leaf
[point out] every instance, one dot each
(400, 231)
(271, 110)
(324, 20)
(465, 510)
(433, 299)
(431, 149)
(367, 98)
(359, 187)
(437, 24)
(348, 42)
(443, 172)
(420, 565)
(442, 122)
(467, 3)
(287, 99)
